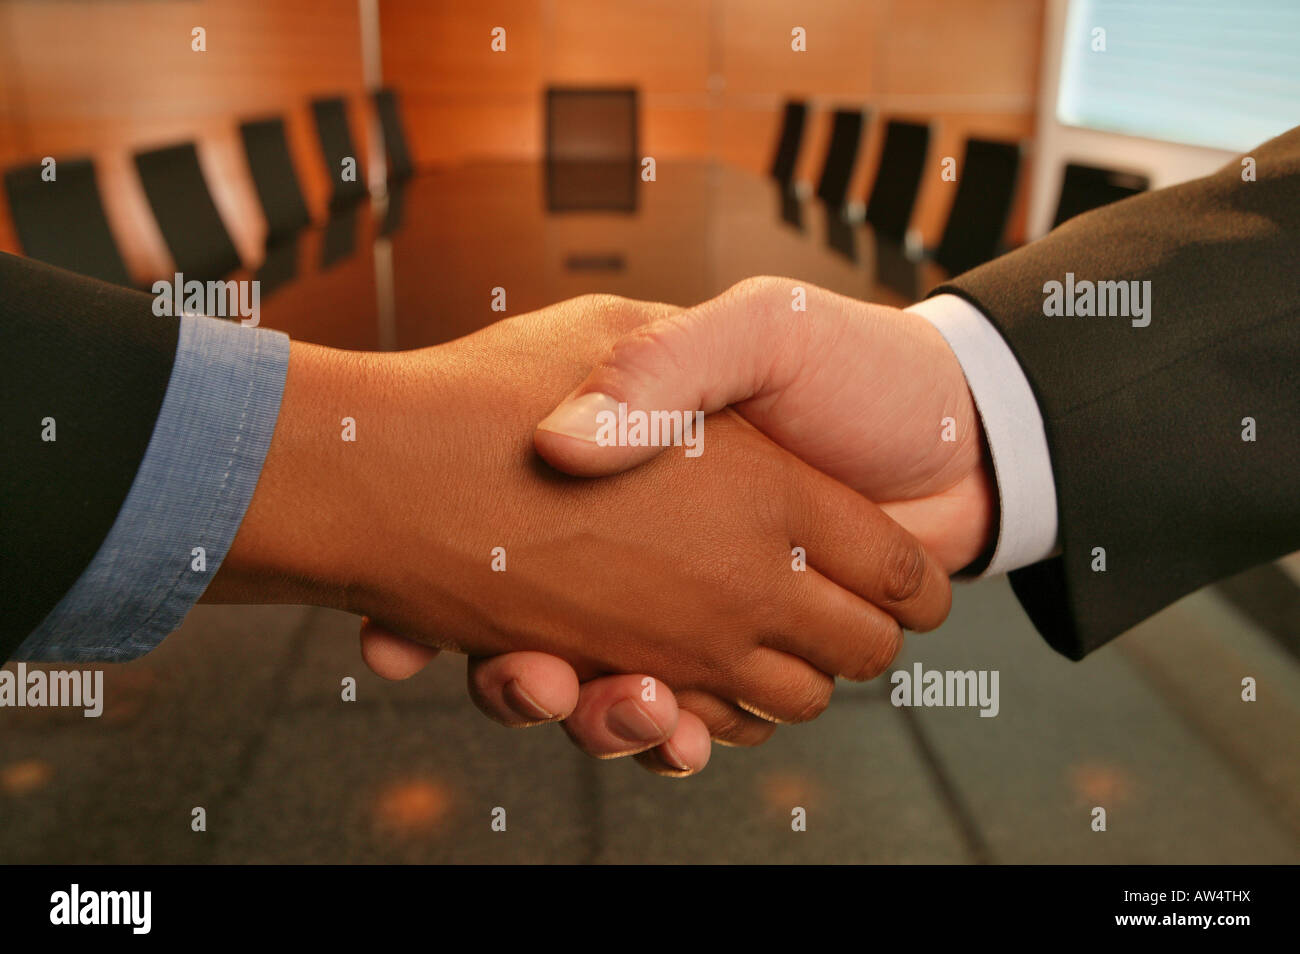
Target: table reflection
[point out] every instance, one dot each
(546, 232)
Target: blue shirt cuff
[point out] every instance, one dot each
(186, 503)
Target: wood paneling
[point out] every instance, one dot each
(460, 99)
(713, 74)
(662, 45)
(844, 40)
(976, 50)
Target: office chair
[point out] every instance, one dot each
(591, 124)
(274, 178)
(336, 146)
(837, 170)
(1084, 188)
(62, 222)
(591, 149)
(982, 205)
(279, 264)
(190, 223)
(898, 178)
(339, 240)
(394, 210)
(787, 148)
(390, 124)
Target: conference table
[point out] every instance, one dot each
(422, 269)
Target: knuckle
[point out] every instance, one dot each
(597, 303)
(605, 300)
(759, 286)
(813, 698)
(882, 650)
(761, 297)
(787, 604)
(645, 349)
(727, 724)
(613, 314)
(757, 732)
(905, 571)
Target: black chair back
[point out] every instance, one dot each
(787, 147)
(846, 134)
(61, 221)
(274, 178)
(980, 209)
(898, 178)
(390, 124)
(1084, 188)
(337, 147)
(190, 223)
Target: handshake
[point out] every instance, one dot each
(498, 496)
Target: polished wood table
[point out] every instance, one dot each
(424, 269)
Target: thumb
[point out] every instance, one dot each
(644, 395)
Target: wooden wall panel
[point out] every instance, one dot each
(459, 98)
(714, 73)
(844, 39)
(660, 45)
(982, 51)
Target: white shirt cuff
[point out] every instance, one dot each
(1013, 427)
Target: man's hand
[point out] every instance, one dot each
(682, 568)
(866, 393)
(602, 716)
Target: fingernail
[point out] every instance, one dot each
(577, 417)
(631, 723)
(674, 758)
(524, 704)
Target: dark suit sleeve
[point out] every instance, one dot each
(1145, 424)
(95, 359)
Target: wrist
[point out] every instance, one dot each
(305, 534)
